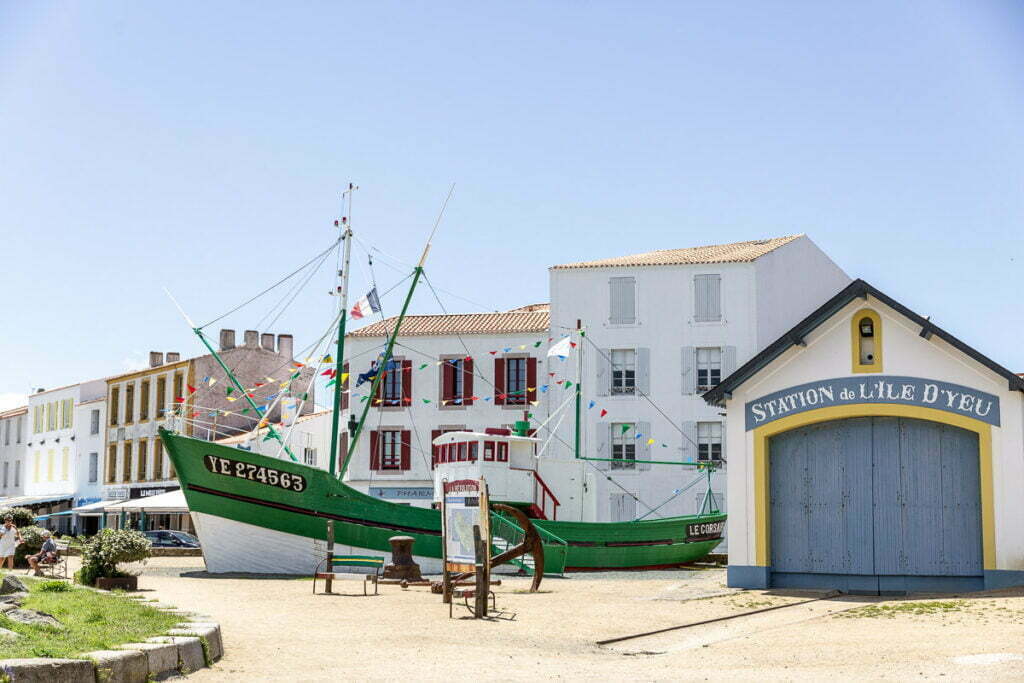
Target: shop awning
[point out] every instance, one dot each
(172, 502)
(93, 509)
(54, 514)
(29, 501)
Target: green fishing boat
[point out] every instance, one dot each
(255, 513)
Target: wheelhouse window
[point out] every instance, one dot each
(309, 456)
(709, 441)
(709, 368)
(623, 371)
(623, 446)
(515, 381)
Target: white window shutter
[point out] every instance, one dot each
(602, 444)
(690, 441)
(604, 372)
(689, 369)
(643, 451)
(622, 300)
(643, 371)
(725, 455)
(728, 361)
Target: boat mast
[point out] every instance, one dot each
(579, 391)
(342, 293)
(382, 368)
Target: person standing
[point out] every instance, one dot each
(10, 538)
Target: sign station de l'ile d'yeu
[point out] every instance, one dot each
(952, 398)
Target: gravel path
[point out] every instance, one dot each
(275, 629)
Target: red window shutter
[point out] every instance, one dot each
(447, 381)
(531, 380)
(342, 449)
(378, 398)
(467, 381)
(499, 381)
(374, 450)
(406, 383)
(434, 450)
(406, 449)
(344, 388)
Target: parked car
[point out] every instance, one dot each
(172, 539)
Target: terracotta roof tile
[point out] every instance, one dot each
(738, 252)
(516, 321)
(14, 411)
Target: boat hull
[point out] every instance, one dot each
(258, 514)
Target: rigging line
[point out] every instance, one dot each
(297, 287)
(440, 215)
(305, 282)
(284, 279)
(679, 492)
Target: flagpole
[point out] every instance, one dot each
(339, 359)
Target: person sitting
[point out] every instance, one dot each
(46, 555)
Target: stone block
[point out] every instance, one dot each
(119, 666)
(190, 653)
(209, 631)
(48, 670)
(160, 657)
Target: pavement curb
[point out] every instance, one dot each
(194, 643)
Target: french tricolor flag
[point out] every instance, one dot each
(367, 305)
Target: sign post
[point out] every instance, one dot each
(466, 529)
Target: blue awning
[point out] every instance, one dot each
(55, 514)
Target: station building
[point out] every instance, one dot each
(873, 452)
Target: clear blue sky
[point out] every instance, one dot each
(202, 147)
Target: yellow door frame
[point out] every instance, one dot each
(762, 435)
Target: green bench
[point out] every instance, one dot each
(338, 566)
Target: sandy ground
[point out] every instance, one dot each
(276, 630)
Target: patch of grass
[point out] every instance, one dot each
(891, 610)
(53, 586)
(93, 621)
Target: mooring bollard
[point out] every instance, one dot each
(402, 565)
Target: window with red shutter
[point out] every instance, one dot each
(342, 449)
(391, 449)
(515, 380)
(531, 380)
(344, 388)
(406, 384)
(467, 381)
(406, 450)
(499, 381)
(374, 450)
(447, 381)
(435, 451)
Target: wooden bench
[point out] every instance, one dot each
(58, 568)
(339, 566)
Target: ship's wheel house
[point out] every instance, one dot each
(881, 455)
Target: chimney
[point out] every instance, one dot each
(285, 345)
(156, 359)
(227, 340)
(267, 341)
(252, 339)
(173, 356)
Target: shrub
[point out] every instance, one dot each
(109, 548)
(22, 516)
(53, 586)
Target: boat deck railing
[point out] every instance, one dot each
(508, 534)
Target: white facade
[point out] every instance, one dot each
(669, 321)
(13, 433)
(90, 421)
(906, 350)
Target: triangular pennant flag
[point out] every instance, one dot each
(533, 403)
(544, 388)
(327, 373)
(474, 398)
(638, 435)
(245, 410)
(426, 400)
(232, 399)
(295, 374)
(492, 352)
(283, 385)
(603, 412)
(179, 399)
(191, 389)
(305, 397)
(271, 379)
(625, 428)
(424, 365)
(551, 374)
(328, 359)
(592, 404)
(195, 414)
(258, 384)
(537, 343)
(229, 390)
(507, 349)
(333, 381)
(522, 347)
(568, 384)
(344, 376)
(650, 441)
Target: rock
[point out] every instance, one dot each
(190, 654)
(12, 584)
(29, 616)
(48, 670)
(7, 634)
(209, 631)
(160, 657)
(13, 598)
(119, 666)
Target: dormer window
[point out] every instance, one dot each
(866, 340)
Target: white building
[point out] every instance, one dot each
(662, 328)
(59, 461)
(874, 452)
(12, 451)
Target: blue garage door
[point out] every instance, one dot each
(878, 504)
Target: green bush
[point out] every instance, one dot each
(22, 516)
(53, 586)
(109, 548)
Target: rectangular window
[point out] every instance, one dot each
(51, 417)
(391, 449)
(37, 469)
(126, 462)
(453, 380)
(709, 441)
(158, 460)
(17, 473)
(129, 403)
(707, 292)
(161, 395)
(94, 468)
(7, 432)
(19, 430)
(709, 368)
(309, 456)
(112, 407)
(179, 385)
(112, 464)
(623, 371)
(6, 472)
(65, 464)
(623, 446)
(51, 459)
(67, 417)
(515, 381)
(144, 401)
(94, 421)
(392, 385)
(622, 301)
(142, 458)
